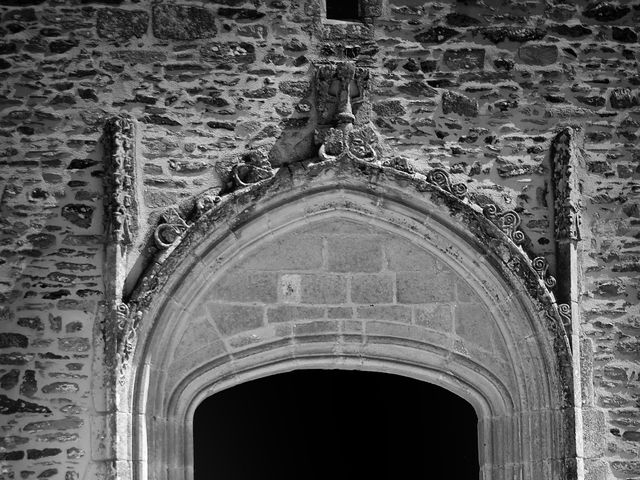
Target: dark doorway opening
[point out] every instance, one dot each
(335, 424)
(343, 9)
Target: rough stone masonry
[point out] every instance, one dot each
(477, 88)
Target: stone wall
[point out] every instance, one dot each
(477, 88)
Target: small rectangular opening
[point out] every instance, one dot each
(343, 10)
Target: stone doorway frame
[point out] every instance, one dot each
(151, 430)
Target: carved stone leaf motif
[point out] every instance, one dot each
(121, 207)
(168, 232)
(566, 188)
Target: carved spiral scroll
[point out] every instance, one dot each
(442, 179)
(541, 267)
(509, 222)
(564, 310)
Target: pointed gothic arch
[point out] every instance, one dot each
(183, 340)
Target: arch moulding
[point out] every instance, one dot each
(496, 338)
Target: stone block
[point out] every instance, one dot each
(420, 287)
(372, 288)
(317, 327)
(339, 312)
(474, 324)
(232, 319)
(390, 313)
(323, 289)
(464, 59)
(200, 332)
(354, 253)
(289, 288)
(293, 252)
(538, 55)
(183, 22)
(402, 255)
(120, 25)
(453, 102)
(436, 316)
(243, 286)
(288, 313)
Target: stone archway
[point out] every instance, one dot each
(349, 271)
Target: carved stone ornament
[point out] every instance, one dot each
(566, 188)
(341, 90)
(564, 310)
(508, 221)
(170, 230)
(541, 267)
(254, 168)
(441, 178)
(121, 206)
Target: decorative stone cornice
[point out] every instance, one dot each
(566, 188)
(121, 206)
(498, 232)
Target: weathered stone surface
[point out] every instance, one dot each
(573, 31)
(226, 54)
(15, 358)
(29, 385)
(249, 14)
(10, 379)
(35, 454)
(538, 54)
(62, 45)
(232, 319)
(10, 456)
(418, 89)
(183, 22)
(370, 289)
(625, 35)
(60, 387)
(70, 423)
(436, 35)
(78, 214)
(9, 406)
(453, 102)
(623, 98)
(389, 108)
(461, 20)
(74, 344)
(11, 340)
(121, 25)
(418, 287)
(515, 34)
(605, 11)
(464, 59)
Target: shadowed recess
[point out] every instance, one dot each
(334, 424)
(343, 9)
